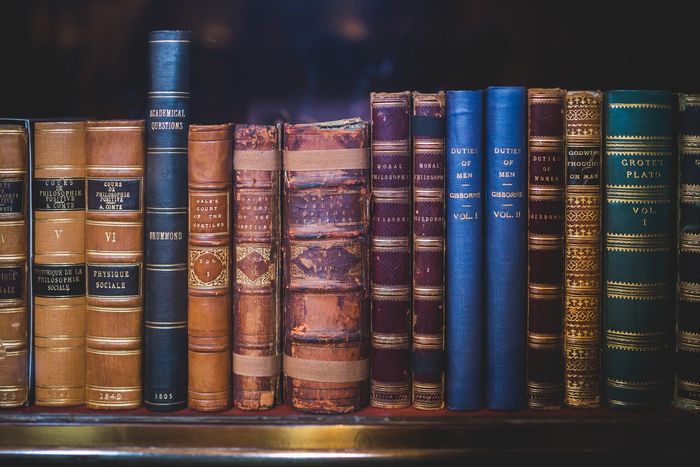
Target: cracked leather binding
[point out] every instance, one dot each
(390, 256)
(14, 355)
(256, 233)
(428, 127)
(326, 361)
(59, 262)
(114, 256)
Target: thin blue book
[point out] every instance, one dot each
(506, 247)
(464, 258)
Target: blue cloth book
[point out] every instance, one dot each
(506, 247)
(464, 237)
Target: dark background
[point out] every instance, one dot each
(304, 60)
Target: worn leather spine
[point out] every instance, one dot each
(464, 250)
(58, 197)
(428, 128)
(257, 352)
(505, 249)
(545, 248)
(687, 378)
(391, 246)
(165, 311)
(326, 287)
(14, 317)
(638, 269)
(114, 256)
(209, 268)
(582, 261)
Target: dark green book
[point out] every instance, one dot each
(638, 219)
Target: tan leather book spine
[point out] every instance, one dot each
(114, 255)
(257, 164)
(14, 361)
(59, 263)
(209, 291)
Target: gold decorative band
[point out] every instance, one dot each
(635, 385)
(390, 341)
(257, 160)
(427, 342)
(392, 291)
(326, 371)
(637, 291)
(258, 366)
(322, 159)
(688, 341)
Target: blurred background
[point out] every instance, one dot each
(303, 60)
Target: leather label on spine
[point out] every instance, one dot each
(253, 267)
(114, 194)
(59, 280)
(209, 213)
(114, 280)
(11, 196)
(209, 267)
(583, 165)
(11, 281)
(59, 194)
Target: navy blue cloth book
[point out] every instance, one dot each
(165, 327)
(506, 247)
(464, 237)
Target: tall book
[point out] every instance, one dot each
(326, 360)
(209, 268)
(582, 261)
(58, 198)
(464, 250)
(390, 255)
(165, 313)
(14, 317)
(257, 353)
(638, 270)
(505, 247)
(114, 256)
(687, 384)
(428, 128)
(545, 385)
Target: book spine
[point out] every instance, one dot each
(14, 368)
(638, 261)
(257, 348)
(326, 361)
(165, 313)
(582, 319)
(687, 384)
(428, 127)
(114, 255)
(506, 247)
(58, 197)
(464, 253)
(209, 268)
(545, 385)
(390, 256)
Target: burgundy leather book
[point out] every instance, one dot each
(390, 256)
(326, 360)
(428, 121)
(257, 164)
(545, 248)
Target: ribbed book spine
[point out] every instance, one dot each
(428, 128)
(257, 352)
(545, 248)
(165, 313)
(582, 262)
(209, 268)
(14, 364)
(638, 271)
(506, 247)
(464, 250)
(326, 359)
(390, 256)
(114, 255)
(58, 197)
(687, 385)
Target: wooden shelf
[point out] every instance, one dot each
(283, 436)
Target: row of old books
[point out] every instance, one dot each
(459, 251)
